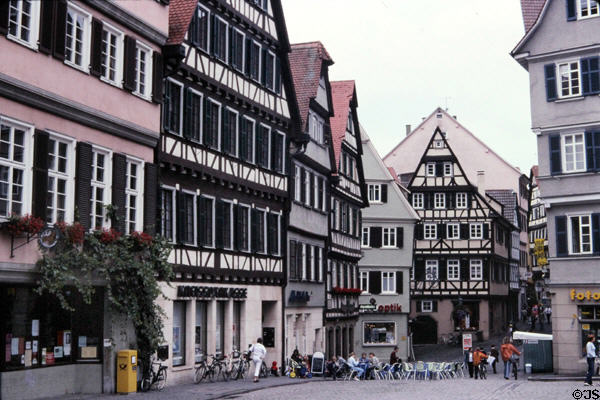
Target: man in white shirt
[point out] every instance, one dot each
(353, 363)
(590, 352)
(258, 355)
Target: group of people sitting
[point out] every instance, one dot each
(300, 365)
(364, 366)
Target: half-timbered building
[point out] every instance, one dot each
(228, 112)
(307, 232)
(348, 197)
(538, 240)
(460, 274)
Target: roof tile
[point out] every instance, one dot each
(531, 10)
(341, 95)
(180, 15)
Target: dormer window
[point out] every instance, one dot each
(430, 169)
(448, 169)
(350, 124)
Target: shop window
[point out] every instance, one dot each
(590, 323)
(220, 330)
(237, 320)
(38, 332)
(379, 333)
(178, 333)
(200, 331)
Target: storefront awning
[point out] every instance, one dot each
(531, 336)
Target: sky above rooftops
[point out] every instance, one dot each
(409, 57)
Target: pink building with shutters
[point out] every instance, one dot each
(80, 87)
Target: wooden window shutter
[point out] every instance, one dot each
(374, 282)
(464, 231)
(119, 178)
(302, 185)
(299, 263)
(419, 269)
(562, 248)
(129, 64)
(213, 33)
(464, 269)
(202, 219)
(219, 224)
(4, 7)
(311, 181)
(596, 233)
(555, 157)
(157, 77)
(399, 237)
(188, 113)
(434, 305)
(60, 29)
(248, 45)
(277, 75)
(550, 75)
(384, 192)
(399, 282)
(571, 10)
(589, 150)
(83, 184)
(150, 197)
(419, 305)
(46, 25)
(96, 48)
(254, 230)
(40, 174)
(419, 231)
(263, 72)
(307, 260)
(596, 149)
(450, 200)
(231, 45)
(238, 229)
(590, 75)
(441, 231)
(486, 231)
(439, 169)
(180, 217)
(442, 270)
(292, 259)
(485, 270)
(375, 236)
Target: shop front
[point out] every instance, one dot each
(304, 318)
(213, 319)
(380, 328)
(47, 350)
(575, 316)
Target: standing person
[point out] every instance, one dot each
(258, 355)
(548, 312)
(494, 353)
(534, 316)
(541, 316)
(394, 357)
(478, 357)
(507, 350)
(590, 352)
(469, 360)
(524, 313)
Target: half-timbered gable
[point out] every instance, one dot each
(458, 252)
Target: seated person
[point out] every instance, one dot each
(354, 365)
(332, 367)
(363, 358)
(373, 364)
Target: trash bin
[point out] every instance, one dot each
(127, 371)
(528, 368)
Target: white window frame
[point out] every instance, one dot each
(390, 277)
(390, 235)
(86, 38)
(237, 130)
(68, 176)
(106, 186)
(476, 269)
(253, 121)
(418, 200)
(453, 270)
(283, 150)
(476, 230)
(439, 201)
(319, 260)
(201, 111)
(255, 43)
(430, 169)
(315, 184)
(173, 190)
(147, 94)
(268, 166)
(448, 169)
(226, 60)
(462, 200)
(26, 165)
(312, 262)
(426, 306)
(248, 209)
(569, 71)
(563, 145)
(589, 234)
(271, 88)
(181, 106)
(453, 231)
(208, 28)
(214, 219)
(118, 82)
(195, 218)
(243, 67)
(374, 192)
(432, 265)
(219, 126)
(324, 208)
(34, 23)
(138, 192)
(316, 127)
(432, 234)
(297, 183)
(366, 233)
(364, 275)
(589, 7)
(232, 226)
(307, 182)
(303, 257)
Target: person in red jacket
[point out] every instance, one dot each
(478, 357)
(506, 351)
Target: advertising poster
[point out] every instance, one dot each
(49, 358)
(58, 352)
(7, 347)
(467, 341)
(67, 343)
(43, 356)
(14, 346)
(34, 346)
(82, 341)
(35, 327)
(175, 340)
(28, 358)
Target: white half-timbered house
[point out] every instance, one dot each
(228, 112)
(461, 252)
(348, 197)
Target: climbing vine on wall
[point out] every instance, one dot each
(130, 268)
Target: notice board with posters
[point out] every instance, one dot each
(467, 340)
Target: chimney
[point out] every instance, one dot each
(481, 182)
(408, 129)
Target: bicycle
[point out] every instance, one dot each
(239, 367)
(211, 371)
(152, 377)
(483, 369)
(514, 366)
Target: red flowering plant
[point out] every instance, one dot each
(109, 235)
(17, 225)
(75, 234)
(348, 291)
(141, 239)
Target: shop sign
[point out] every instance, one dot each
(390, 308)
(587, 295)
(299, 296)
(467, 341)
(211, 292)
(367, 307)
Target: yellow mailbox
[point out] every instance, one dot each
(127, 371)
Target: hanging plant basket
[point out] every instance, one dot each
(19, 225)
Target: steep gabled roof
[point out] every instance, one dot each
(306, 62)
(180, 15)
(531, 10)
(508, 199)
(342, 94)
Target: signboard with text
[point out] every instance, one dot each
(467, 340)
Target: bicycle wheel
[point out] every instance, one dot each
(213, 373)
(200, 373)
(243, 370)
(514, 367)
(264, 373)
(161, 379)
(145, 383)
(226, 373)
(483, 372)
